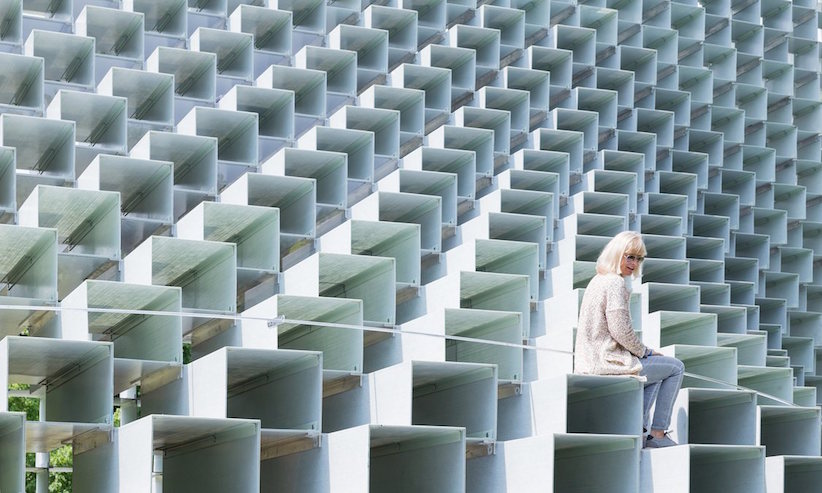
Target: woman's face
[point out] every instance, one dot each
(629, 263)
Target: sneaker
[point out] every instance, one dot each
(653, 442)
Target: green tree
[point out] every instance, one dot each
(62, 457)
(60, 482)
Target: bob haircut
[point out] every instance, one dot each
(626, 242)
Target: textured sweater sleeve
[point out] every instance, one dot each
(618, 317)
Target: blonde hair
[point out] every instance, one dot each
(610, 259)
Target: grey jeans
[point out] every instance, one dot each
(664, 376)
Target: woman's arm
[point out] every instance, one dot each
(618, 318)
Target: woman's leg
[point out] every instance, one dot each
(648, 398)
(667, 373)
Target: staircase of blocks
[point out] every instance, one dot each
(336, 246)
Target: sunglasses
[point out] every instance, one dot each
(634, 258)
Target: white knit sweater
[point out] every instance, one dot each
(606, 343)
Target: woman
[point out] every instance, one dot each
(606, 343)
